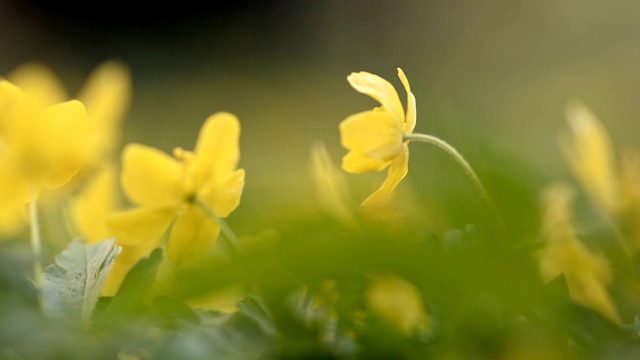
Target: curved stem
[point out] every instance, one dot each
(232, 239)
(457, 157)
(36, 240)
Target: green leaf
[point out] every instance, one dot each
(137, 283)
(71, 287)
(129, 305)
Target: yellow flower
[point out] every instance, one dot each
(590, 155)
(587, 273)
(106, 95)
(374, 138)
(40, 147)
(330, 185)
(399, 303)
(170, 191)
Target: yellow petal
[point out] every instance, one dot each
(97, 200)
(410, 118)
(49, 145)
(372, 133)
(380, 90)
(217, 150)
(39, 83)
(224, 197)
(590, 155)
(398, 169)
(139, 226)
(15, 192)
(12, 104)
(151, 178)
(192, 236)
(107, 94)
(63, 141)
(357, 163)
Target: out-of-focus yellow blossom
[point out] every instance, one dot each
(399, 303)
(40, 147)
(106, 95)
(330, 185)
(97, 200)
(335, 198)
(171, 190)
(613, 190)
(589, 152)
(374, 138)
(587, 273)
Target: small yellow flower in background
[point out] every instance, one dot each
(40, 147)
(331, 186)
(399, 303)
(588, 274)
(374, 138)
(589, 152)
(170, 191)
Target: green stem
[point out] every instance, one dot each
(457, 157)
(36, 240)
(232, 239)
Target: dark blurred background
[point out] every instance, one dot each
(487, 74)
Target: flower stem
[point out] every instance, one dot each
(232, 239)
(36, 240)
(458, 158)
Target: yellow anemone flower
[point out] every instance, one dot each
(375, 138)
(174, 190)
(587, 273)
(40, 147)
(106, 94)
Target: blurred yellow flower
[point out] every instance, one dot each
(106, 95)
(40, 147)
(587, 273)
(173, 190)
(399, 303)
(589, 152)
(374, 138)
(330, 185)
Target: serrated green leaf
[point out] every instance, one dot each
(71, 287)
